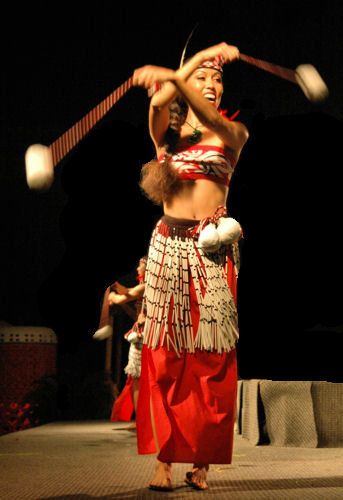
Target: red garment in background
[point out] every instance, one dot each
(123, 408)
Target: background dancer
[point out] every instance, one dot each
(127, 400)
(189, 376)
(118, 294)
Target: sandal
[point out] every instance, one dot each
(189, 480)
(167, 487)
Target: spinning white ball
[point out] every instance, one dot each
(311, 83)
(103, 333)
(39, 167)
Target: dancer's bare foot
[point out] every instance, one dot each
(162, 478)
(197, 478)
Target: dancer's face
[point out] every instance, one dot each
(141, 267)
(209, 82)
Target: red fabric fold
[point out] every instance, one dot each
(123, 408)
(194, 405)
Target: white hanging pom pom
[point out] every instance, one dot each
(133, 337)
(39, 167)
(103, 333)
(229, 230)
(209, 239)
(311, 82)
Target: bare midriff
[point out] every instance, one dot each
(197, 199)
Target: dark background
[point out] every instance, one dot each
(61, 249)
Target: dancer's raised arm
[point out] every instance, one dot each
(199, 89)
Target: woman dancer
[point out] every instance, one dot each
(127, 400)
(188, 380)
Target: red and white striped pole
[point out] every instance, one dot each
(305, 75)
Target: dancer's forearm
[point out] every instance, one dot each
(169, 91)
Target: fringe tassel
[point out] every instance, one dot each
(172, 261)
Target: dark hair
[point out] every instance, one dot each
(159, 180)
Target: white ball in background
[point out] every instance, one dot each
(209, 239)
(39, 167)
(133, 337)
(229, 230)
(103, 333)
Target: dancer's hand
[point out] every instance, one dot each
(141, 318)
(115, 298)
(147, 76)
(228, 53)
(119, 288)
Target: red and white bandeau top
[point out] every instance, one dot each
(203, 162)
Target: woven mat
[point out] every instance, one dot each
(289, 413)
(251, 421)
(327, 400)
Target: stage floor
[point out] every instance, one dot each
(98, 460)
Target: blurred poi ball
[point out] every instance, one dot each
(311, 83)
(39, 167)
(103, 333)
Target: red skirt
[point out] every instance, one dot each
(194, 405)
(192, 394)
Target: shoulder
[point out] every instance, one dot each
(236, 136)
(239, 127)
(243, 128)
